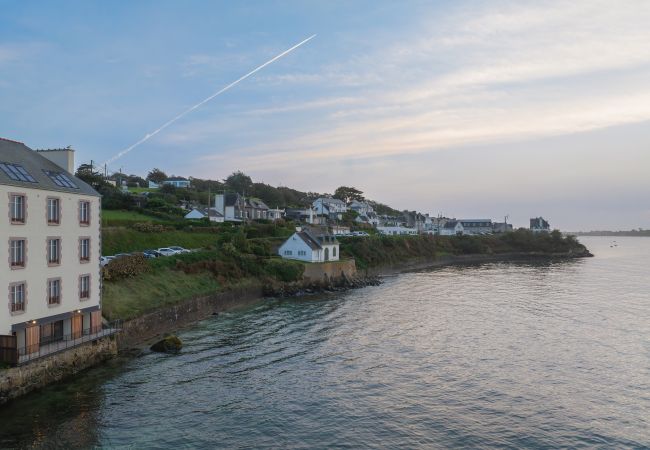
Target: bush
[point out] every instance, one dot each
(148, 227)
(284, 270)
(125, 267)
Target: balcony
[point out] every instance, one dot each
(56, 344)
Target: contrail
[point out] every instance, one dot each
(153, 133)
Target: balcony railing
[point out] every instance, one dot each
(56, 344)
(19, 306)
(54, 300)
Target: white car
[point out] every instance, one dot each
(178, 249)
(103, 260)
(166, 251)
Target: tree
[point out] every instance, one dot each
(157, 176)
(347, 194)
(239, 182)
(86, 173)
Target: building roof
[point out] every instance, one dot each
(257, 203)
(331, 201)
(233, 198)
(45, 174)
(177, 179)
(451, 224)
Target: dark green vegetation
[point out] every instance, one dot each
(377, 250)
(636, 233)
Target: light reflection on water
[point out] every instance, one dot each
(516, 355)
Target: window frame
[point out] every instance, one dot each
(83, 260)
(11, 211)
(13, 310)
(12, 265)
(84, 294)
(48, 248)
(82, 204)
(48, 297)
(48, 209)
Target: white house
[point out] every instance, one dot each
(310, 245)
(397, 231)
(452, 228)
(51, 232)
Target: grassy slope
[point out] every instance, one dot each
(132, 297)
(121, 240)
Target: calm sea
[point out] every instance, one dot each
(516, 355)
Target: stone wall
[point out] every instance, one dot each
(165, 320)
(39, 373)
(315, 272)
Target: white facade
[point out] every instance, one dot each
(35, 274)
(328, 205)
(397, 231)
(302, 247)
(452, 228)
(275, 214)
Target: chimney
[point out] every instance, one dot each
(63, 157)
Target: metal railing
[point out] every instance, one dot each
(54, 344)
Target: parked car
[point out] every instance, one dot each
(360, 233)
(180, 249)
(121, 255)
(149, 254)
(103, 260)
(166, 251)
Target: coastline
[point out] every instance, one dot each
(137, 334)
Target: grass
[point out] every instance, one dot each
(112, 217)
(126, 299)
(123, 240)
(139, 190)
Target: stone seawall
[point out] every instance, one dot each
(165, 320)
(331, 270)
(18, 381)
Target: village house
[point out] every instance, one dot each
(255, 209)
(452, 228)
(310, 244)
(539, 225)
(178, 182)
(397, 230)
(477, 226)
(51, 234)
(275, 214)
(340, 230)
(305, 215)
(231, 206)
(332, 208)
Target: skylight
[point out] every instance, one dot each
(61, 179)
(17, 172)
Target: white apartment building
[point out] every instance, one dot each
(50, 234)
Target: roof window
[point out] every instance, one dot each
(17, 172)
(61, 179)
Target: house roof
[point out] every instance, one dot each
(330, 200)
(451, 224)
(257, 203)
(232, 198)
(45, 174)
(176, 179)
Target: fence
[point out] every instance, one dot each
(11, 354)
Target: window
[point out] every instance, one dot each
(84, 287)
(54, 251)
(84, 249)
(288, 252)
(53, 211)
(17, 297)
(17, 172)
(17, 253)
(17, 208)
(333, 251)
(61, 179)
(302, 253)
(54, 291)
(84, 213)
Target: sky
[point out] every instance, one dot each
(470, 109)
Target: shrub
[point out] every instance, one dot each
(148, 227)
(125, 267)
(284, 270)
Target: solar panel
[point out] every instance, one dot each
(17, 172)
(61, 179)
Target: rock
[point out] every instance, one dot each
(169, 344)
